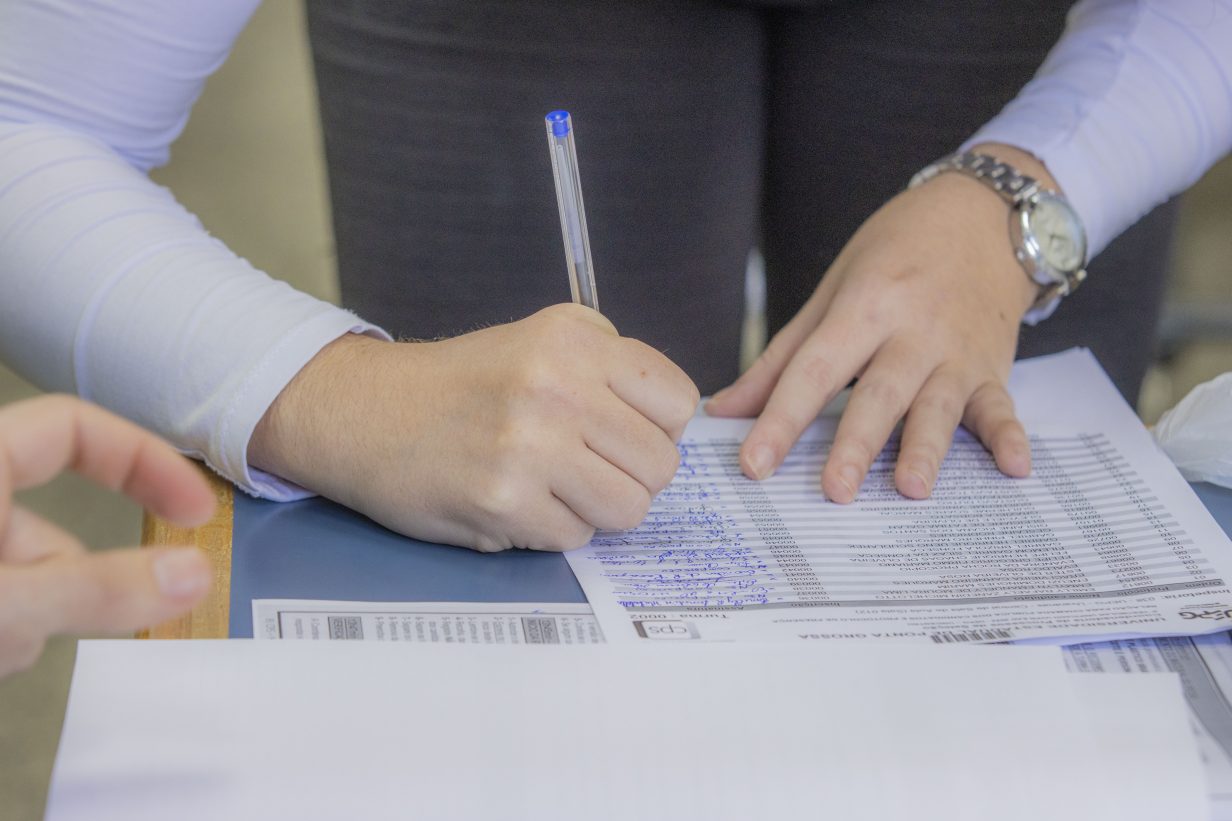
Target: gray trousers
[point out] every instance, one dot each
(704, 129)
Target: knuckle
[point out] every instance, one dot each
(883, 394)
(632, 510)
(779, 428)
(944, 404)
(571, 538)
(666, 471)
(818, 372)
(775, 355)
(501, 498)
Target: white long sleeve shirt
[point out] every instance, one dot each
(111, 290)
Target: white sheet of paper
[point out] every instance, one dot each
(1104, 540)
(326, 730)
(420, 622)
(1202, 663)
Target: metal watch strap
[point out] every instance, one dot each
(999, 176)
(1013, 187)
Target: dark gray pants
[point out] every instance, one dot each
(704, 129)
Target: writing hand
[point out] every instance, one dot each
(531, 434)
(48, 582)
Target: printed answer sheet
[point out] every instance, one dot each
(425, 622)
(351, 729)
(1103, 540)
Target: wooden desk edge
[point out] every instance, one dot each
(211, 618)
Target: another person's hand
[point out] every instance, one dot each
(48, 582)
(531, 434)
(923, 305)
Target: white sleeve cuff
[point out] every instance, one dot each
(259, 390)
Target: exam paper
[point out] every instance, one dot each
(1103, 540)
(354, 729)
(418, 622)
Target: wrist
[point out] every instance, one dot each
(322, 406)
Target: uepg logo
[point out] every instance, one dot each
(670, 630)
(1214, 612)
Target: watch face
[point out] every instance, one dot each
(1058, 233)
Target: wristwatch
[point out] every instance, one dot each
(1045, 231)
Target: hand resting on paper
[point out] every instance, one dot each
(531, 434)
(923, 306)
(48, 582)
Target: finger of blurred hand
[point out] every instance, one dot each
(634, 444)
(822, 366)
(990, 416)
(879, 400)
(30, 538)
(654, 386)
(601, 494)
(111, 592)
(928, 432)
(41, 437)
(747, 396)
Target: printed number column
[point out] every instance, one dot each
(778, 540)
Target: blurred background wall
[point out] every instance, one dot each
(250, 166)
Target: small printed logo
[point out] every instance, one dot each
(1213, 612)
(666, 630)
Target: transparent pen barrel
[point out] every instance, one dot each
(572, 215)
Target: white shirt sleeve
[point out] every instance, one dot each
(1132, 106)
(108, 287)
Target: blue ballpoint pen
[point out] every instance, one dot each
(572, 213)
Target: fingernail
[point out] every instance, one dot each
(849, 475)
(761, 461)
(181, 573)
(921, 476)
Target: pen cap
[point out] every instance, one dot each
(559, 124)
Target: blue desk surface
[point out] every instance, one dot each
(319, 550)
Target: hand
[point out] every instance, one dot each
(923, 305)
(48, 583)
(531, 434)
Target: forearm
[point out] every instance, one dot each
(111, 289)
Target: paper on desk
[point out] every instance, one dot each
(418, 622)
(1104, 539)
(1204, 665)
(327, 730)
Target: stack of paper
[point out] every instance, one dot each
(305, 730)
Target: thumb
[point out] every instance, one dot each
(117, 591)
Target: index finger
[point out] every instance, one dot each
(822, 367)
(654, 386)
(41, 437)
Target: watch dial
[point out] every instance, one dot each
(1058, 233)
